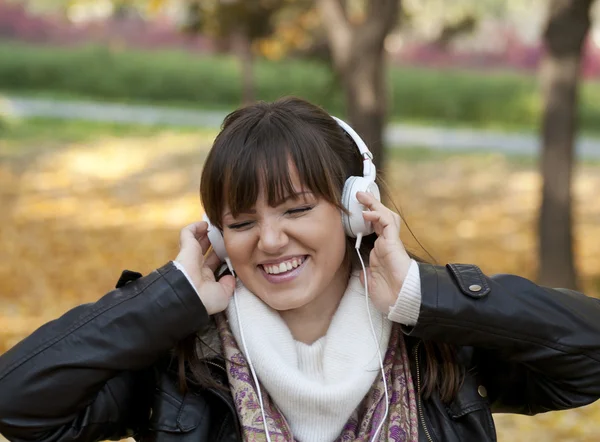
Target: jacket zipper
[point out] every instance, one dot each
(419, 403)
(216, 365)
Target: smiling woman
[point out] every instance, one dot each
(168, 357)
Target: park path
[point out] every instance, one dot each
(397, 135)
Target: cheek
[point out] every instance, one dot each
(239, 246)
(340, 245)
(333, 238)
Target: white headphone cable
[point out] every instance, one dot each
(385, 386)
(258, 390)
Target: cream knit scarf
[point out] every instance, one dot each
(328, 391)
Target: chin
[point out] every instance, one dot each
(282, 302)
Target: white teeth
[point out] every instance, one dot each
(282, 267)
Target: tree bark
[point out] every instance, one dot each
(358, 58)
(565, 33)
(366, 101)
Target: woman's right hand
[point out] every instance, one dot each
(193, 245)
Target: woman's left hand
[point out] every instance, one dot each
(388, 261)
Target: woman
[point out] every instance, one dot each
(168, 357)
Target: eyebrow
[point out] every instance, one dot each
(288, 197)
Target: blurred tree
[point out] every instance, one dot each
(356, 41)
(296, 28)
(243, 23)
(442, 21)
(565, 33)
(451, 31)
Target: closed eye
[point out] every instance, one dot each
(293, 212)
(299, 210)
(239, 226)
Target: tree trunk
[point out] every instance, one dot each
(358, 57)
(366, 100)
(567, 27)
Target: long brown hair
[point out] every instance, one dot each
(253, 151)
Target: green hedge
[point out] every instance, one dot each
(161, 76)
(179, 78)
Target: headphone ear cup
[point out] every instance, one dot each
(216, 240)
(354, 222)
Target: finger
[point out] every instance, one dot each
(228, 283)
(374, 218)
(368, 200)
(374, 205)
(212, 261)
(385, 224)
(187, 234)
(199, 229)
(201, 234)
(205, 244)
(195, 232)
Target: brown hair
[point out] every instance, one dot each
(253, 149)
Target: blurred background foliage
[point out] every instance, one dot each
(80, 201)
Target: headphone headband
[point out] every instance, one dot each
(368, 166)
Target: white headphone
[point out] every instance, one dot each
(354, 224)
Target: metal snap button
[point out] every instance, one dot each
(482, 391)
(475, 287)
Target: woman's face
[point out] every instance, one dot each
(289, 255)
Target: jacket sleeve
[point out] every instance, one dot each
(537, 349)
(84, 376)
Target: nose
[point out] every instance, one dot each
(273, 237)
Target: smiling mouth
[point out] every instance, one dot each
(283, 267)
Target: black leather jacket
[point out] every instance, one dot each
(99, 371)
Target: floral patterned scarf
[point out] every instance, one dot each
(401, 423)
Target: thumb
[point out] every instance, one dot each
(228, 283)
